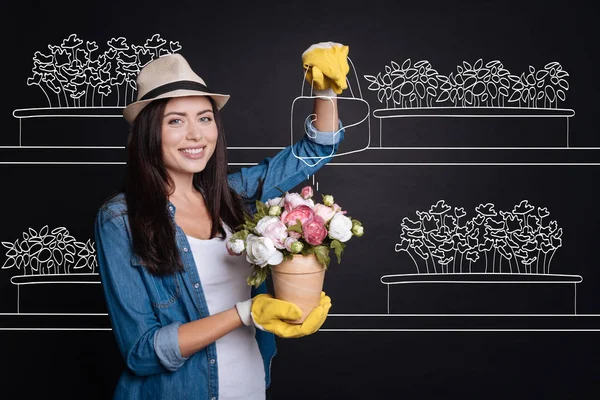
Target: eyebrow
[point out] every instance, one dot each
(184, 114)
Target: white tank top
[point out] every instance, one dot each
(223, 277)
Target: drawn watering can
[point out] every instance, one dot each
(353, 112)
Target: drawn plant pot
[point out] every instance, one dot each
(59, 293)
(481, 293)
(82, 126)
(472, 127)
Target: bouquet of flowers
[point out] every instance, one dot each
(293, 224)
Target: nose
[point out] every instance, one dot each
(194, 132)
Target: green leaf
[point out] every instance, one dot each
(243, 234)
(261, 209)
(322, 253)
(258, 276)
(249, 223)
(338, 248)
(297, 227)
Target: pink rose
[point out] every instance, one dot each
(302, 212)
(314, 230)
(277, 232)
(337, 208)
(294, 235)
(324, 211)
(307, 192)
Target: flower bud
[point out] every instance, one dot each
(358, 230)
(288, 243)
(328, 200)
(275, 211)
(307, 192)
(296, 247)
(235, 246)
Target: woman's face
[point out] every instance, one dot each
(189, 134)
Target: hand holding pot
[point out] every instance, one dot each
(313, 322)
(269, 314)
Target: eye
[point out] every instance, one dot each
(175, 121)
(205, 119)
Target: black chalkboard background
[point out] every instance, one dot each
(501, 332)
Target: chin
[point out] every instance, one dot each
(195, 170)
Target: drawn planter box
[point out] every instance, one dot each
(481, 293)
(473, 127)
(59, 293)
(78, 126)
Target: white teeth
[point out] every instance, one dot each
(192, 151)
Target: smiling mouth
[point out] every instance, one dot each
(197, 150)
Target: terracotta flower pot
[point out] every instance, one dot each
(299, 281)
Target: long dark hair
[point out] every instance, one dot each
(146, 187)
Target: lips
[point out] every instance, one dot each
(192, 152)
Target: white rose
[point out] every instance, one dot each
(293, 200)
(324, 211)
(264, 222)
(274, 229)
(340, 227)
(235, 246)
(277, 201)
(261, 251)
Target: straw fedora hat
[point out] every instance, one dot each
(165, 77)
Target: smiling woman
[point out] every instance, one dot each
(189, 136)
(185, 319)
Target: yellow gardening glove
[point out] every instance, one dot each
(268, 314)
(311, 324)
(326, 66)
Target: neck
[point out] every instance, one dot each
(182, 186)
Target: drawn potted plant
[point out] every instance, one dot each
(508, 247)
(49, 257)
(476, 84)
(473, 89)
(71, 72)
(78, 79)
(540, 88)
(406, 85)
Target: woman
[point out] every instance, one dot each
(184, 318)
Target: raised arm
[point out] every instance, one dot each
(326, 68)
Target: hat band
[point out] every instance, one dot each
(169, 87)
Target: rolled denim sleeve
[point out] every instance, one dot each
(146, 347)
(166, 345)
(289, 167)
(321, 137)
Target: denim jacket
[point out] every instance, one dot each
(146, 310)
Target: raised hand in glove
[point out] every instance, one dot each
(326, 67)
(269, 314)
